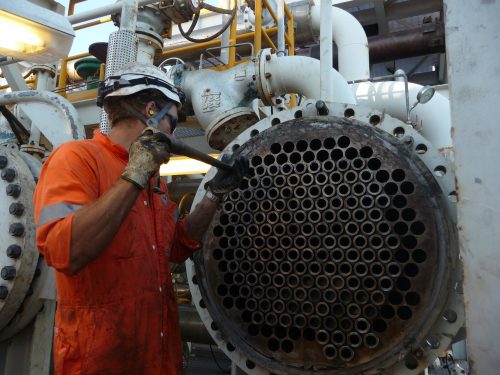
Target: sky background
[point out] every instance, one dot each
(86, 37)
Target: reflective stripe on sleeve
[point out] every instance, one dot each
(57, 211)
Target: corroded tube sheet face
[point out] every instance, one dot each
(340, 235)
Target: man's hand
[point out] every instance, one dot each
(146, 154)
(224, 181)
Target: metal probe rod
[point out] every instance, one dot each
(180, 148)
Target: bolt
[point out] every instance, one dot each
(253, 77)
(268, 57)
(3, 292)
(16, 229)
(8, 272)
(9, 174)
(13, 190)
(16, 209)
(321, 108)
(14, 251)
(450, 316)
(268, 75)
(3, 161)
(432, 342)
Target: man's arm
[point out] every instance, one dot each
(95, 225)
(223, 182)
(198, 220)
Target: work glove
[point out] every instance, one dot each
(225, 181)
(145, 156)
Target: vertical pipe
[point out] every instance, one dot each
(290, 32)
(257, 42)
(232, 42)
(128, 19)
(326, 51)
(122, 49)
(281, 28)
(224, 52)
(44, 82)
(63, 76)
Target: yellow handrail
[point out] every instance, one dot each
(92, 23)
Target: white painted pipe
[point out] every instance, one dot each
(326, 53)
(300, 74)
(350, 39)
(128, 18)
(103, 11)
(432, 119)
(56, 110)
(224, 52)
(281, 28)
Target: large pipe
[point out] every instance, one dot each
(350, 39)
(433, 119)
(70, 126)
(299, 74)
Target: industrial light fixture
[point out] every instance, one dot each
(181, 165)
(32, 33)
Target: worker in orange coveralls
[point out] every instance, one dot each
(106, 225)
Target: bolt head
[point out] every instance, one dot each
(4, 292)
(268, 57)
(16, 209)
(8, 174)
(16, 229)
(14, 251)
(8, 272)
(3, 161)
(13, 190)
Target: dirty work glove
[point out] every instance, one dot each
(225, 181)
(146, 154)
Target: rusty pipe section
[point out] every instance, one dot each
(408, 43)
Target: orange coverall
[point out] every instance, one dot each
(117, 315)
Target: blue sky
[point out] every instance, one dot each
(85, 37)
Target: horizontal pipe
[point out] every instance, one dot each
(103, 11)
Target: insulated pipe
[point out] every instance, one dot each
(432, 119)
(71, 127)
(296, 74)
(103, 11)
(350, 39)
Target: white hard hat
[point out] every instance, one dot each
(136, 77)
